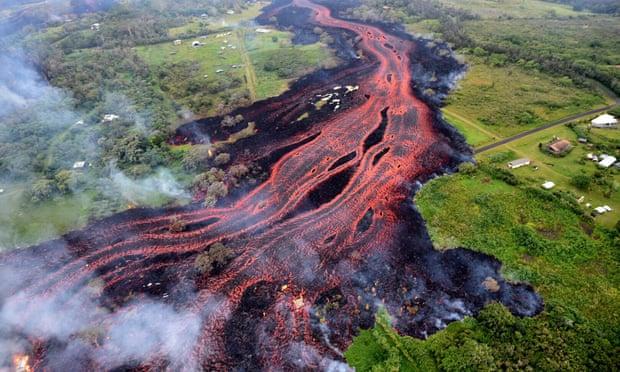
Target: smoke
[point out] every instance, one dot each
(149, 328)
(137, 331)
(146, 190)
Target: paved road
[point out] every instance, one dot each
(546, 126)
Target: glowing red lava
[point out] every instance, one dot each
(329, 237)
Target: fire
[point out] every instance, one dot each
(21, 363)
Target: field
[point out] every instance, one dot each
(494, 102)
(241, 55)
(490, 9)
(561, 170)
(25, 225)
(540, 239)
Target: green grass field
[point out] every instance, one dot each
(489, 9)
(24, 224)
(506, 100)
(560, 170)
(249, 51)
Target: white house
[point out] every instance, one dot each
(519, 163)
(605, 121)
(607, 161)
(110, 117)
(79, 165)
(548, 185)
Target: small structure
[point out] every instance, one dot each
(1, 191)
(196, 43)
(79, 165)
(219, 71)
(582, 140)
(607, 161)
(95, 26)
(519, 163)
(230, 12)
(263, 30)
(79, 122)
(204, 15)
(110, 117)
(548, 185)
(559, 146)
(602, 210)
(178, 42)
(605, 121)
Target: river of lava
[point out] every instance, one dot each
(325, 241)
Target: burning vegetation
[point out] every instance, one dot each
(285, 273)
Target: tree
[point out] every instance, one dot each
(65, 181)
(41, 190)
(581, 181)
(217, 256)
(222, 159)
(197, 157)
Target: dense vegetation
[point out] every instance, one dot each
(598, 6)
(541, 237)
(556, 49)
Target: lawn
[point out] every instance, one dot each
(540, 239)
(506, 100)
(198, 25)
(560, 170)
(26, 224)
(489, 9)
(241, 54)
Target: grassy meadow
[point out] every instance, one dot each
(561, 170)
(500, 101)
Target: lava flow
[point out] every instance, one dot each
(316, 249)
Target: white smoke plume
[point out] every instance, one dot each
(145, 190)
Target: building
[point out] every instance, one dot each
(519, 163)
(605, 121)
(582, 140)
(559, 146)
(178, 42)
(548, 185)
(95, 26)
(79, 165)
(230, 12)
(196, 43)
(607, 161)
(110, 117)
(602, 210)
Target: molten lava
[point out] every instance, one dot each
(317, 248)
(21, 363)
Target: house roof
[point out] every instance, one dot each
(519, 162)
(605, 119)
(559, 145)
(548, 185)
(607, 161)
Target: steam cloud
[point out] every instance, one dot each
(143, 190)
